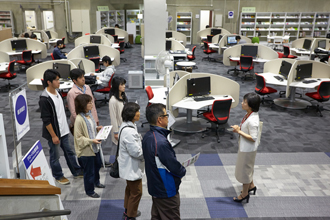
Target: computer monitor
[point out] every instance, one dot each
(215, 31)
(91, 51)
(81, 65)
(307, 44)
(198, 86)
(304, 71)
(95, 39)
(38, 34)
(168, 45)
(48, 34)
(63, 69)
(322, 44)
(18, 45)
(176, 78)
(285, 69)
(327, 36)
(231, 40)
(249, 50)
(168, 34)
(109, 31)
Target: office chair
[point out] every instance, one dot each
(105, 91)
(192, 56)
(52, 55)
(262, 89)
(26, 58)
(209, 38)
(246, 64)
(208, 51)
(115, 38)
(322, 95)
(150, 95)
(9, 76)
(122, 50)
(286, 53)
(63, 39)
(96, 61)
(87, 34)
(219, 116)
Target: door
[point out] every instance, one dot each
(48, 20)
(30, 20)
(76, 20)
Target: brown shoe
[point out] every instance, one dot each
(63, 181)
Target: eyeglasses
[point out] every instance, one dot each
(164, 115)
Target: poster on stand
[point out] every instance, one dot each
(21, 114)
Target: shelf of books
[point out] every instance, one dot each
(110, 19)
(184, 24)
(6, 20)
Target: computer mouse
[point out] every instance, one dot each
(319, 79)
(225, 96)
(68, 83)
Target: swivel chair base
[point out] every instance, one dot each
(8, 87)
(319, 109)
(123, 59)
(209, 59)
(217, 132)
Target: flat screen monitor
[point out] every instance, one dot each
(176, 78)
(38, 34)
(18, 45)
(95, 39)
(63, 69)
(91, 51)
(48, 34)
(285, 69)
(110, 31)
(198, 86)
(168, 45)
(168, 34)
(307, 44)
(215, 31)
(81, 65)
(304, 71)
(322, 44)
(249, 50)
(328, 35)
(231, 40)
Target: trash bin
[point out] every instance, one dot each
(130, 39)
(138, 39)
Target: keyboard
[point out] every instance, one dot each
(198, 99)
(301, 49)
(309, 81)
(216, 44)
(279, 78)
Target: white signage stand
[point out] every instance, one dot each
(4, 162)
(21, 114)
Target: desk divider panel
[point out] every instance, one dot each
(215, 38)
(5, 45)
(119, 32)
(111, 52)
(265, 52)
(89, 66)
(172, 75)
(273, 66)
(176, 45)
(37, 45)
(86, 40)
(234, 51)
(37, 72)
(207, 31)
(316, 41)
(179, 37)
(4, 57)
(77, 52)
(112, 40)
(300, 42)
(223, 41)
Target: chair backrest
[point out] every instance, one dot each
(149, 92)
(110, 81)
(115, 38)
(260, 85)
(221, 110)
(193, 50)
(122, 45)
(63, 39)
(96, 61)
(286, 51)
(206, 46)
(52, 55)
(27, 56)
(87, 34)
(11, 67)
(209, 38)
(324, 90)
(246, 62)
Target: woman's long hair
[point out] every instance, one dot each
(114, 91)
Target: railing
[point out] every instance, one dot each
(41, 214)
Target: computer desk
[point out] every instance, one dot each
(301, 52)
(67, 84)
(15, 53)
(256, 60)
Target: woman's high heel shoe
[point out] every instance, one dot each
(254, 189)
(240, 200)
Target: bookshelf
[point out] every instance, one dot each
(6, 20)
(184, 24)
(132, 17)
(110, 18)
(295, 24)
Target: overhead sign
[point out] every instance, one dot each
(230, 14)
(103, 8)
(21, 114)
(248, 9)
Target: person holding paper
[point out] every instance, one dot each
(164, 171)
(248, 143)
(130, 160)
(87, 147)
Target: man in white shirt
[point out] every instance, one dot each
(239, 40)
(104, 76)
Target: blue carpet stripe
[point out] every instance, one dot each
(327, 153)
(225, 207)
(209, 160)
(111, 209)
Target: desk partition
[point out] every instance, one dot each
(89, 66)
(172, 75)
(176, 45)
(78, 52)
(118, 32)
(4, 57)
(219, 85)
(179, 37)
(44, 37)
(31, 44)
(223, 41)
(86, 40)
(203, 33)
(273, 66)
(316, 42)
(37, 72)
(300, 42)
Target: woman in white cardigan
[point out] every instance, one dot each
(130, 159)
(248, 143)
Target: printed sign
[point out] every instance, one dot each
(103, 8)
(21, 114)
(230, 14)
(248, 9)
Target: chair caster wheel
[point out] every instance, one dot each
(142, 126)
(203, 136)
(218, 141)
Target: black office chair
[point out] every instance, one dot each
(115, 38)
(209, 38)
(246, 64)
(322, 95)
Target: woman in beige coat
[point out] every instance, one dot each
(248, 143)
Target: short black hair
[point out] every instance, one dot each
(33, 36)
(50, 75)
(107, 59)
(117, 25)
(76, 73)
(253, 101)
(26, 35)
(80, 103)
(129, 111)
(207, 26)
(59, 42)
(153, 111)
(238, 37)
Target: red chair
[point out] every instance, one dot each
(122, 50)
(52, 55)
(208, 51)
(63, 39)
(9, 76)
(96, 61)
(245, 65)
(87, 34)
(150, 95)
(105, 91)
(322, 95)
(26, 58)
(286, 53)
(219, 116)
(262, 89)
(192, 56)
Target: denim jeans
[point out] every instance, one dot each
(91, 166)
(69, 154)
